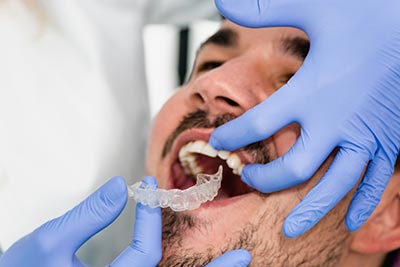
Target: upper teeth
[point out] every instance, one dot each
(189, 163)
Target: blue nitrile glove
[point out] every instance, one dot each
(55, 243)
(233, 258)
(346, 95)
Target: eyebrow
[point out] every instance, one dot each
(223, 37)
(296, 46)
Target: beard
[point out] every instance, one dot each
(262, 237)
(176, 225)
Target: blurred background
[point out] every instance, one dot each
(80, 81)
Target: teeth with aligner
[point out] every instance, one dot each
(206, 189)
(209, 151)
(189, 163)
(223, 154)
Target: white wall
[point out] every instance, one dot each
(161, 48)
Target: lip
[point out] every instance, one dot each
(193, 135)
(222, 203)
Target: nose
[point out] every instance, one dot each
(233, 88)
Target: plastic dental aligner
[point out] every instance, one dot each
(205, 189)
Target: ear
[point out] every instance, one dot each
(381, 233)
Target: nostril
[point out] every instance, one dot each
(228, 100)
(198, 97)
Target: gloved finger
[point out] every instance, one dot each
(266, 13)
(233, 258)
(263, 120)
(145, 250)
(92, 215)
(254, 125)
(369, 191)
(293, 168)
(340, 178)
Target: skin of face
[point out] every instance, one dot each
(230, 77)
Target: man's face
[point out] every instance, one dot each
(235, 70)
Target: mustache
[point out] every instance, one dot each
(199, 119)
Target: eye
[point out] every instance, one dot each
(282, 80)
(209, 65)
(285, 78)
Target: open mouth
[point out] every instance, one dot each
(194, 155)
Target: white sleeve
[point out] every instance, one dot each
(73, 108)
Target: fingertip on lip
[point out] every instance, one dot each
(215, 143)
(245, 179)
(352, 225)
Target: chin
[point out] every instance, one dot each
(217, 225)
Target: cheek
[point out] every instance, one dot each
(154, 146)
(285, 138)
(163, 125)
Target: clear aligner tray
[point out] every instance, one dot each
(205, 189)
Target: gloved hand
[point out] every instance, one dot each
(346, 96)
(54, 244)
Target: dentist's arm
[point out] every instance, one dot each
(346, 96)
(56, 242)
